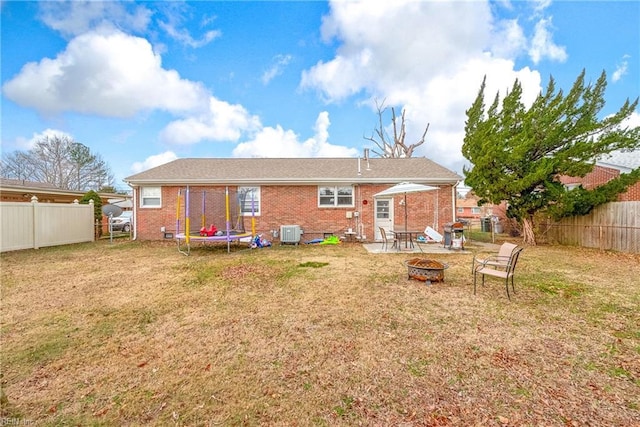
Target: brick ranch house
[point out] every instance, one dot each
(319, 194)
(467, 208)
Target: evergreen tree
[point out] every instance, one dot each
(519, 154)
(97, 206)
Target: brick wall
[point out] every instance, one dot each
(149, 221)
(631, 195)
(601, 175)
(284, 205)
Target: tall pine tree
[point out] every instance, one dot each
(518, 154)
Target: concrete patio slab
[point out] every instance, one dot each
(419, 248)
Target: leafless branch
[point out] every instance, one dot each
(398, 148)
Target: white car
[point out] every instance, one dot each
(122, 222)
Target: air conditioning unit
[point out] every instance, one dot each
(290, 234)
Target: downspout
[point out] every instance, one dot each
(436, 215)
(454, 198)
(358, 211)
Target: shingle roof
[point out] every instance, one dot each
(8, 182)
(623, 160)
(471, 201)
(8, 185)
(294, 171)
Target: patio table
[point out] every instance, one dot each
(407, 237)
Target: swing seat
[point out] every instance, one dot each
(210, 232)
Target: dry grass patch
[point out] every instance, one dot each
(135, 333)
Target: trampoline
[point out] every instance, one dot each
(209, 206)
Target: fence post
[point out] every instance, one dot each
(34, 205)
(93, 215)
(600, 242)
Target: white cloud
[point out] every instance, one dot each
(541, 5)
(277, 142)
(621, 69)
(183, 35)
(633, 121)
(418, 40)
(175, 15)
(509, 38)
(446, 114)
(430, 59)
(107, 73)
(281, 61)
(72, 18)
(28, 144)
(542, 45)
(270, 142)
(321, 128)
(153, 161)
(75, 17)
(221, 122)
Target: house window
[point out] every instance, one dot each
(150, 197)
(335, 196)
(383, 209)
(475, 210)
(460, 210)
(249, 200)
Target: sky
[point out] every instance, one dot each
(144, 83)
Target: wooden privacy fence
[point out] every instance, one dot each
(614, 226)
(35, 225)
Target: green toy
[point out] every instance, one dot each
(331, 240)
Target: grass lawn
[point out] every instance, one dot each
(134, 333)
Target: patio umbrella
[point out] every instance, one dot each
(404, 188)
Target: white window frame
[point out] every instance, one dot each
(147, 194)
(460, 210)
(257, 201)
(476, 210)
(335, 196)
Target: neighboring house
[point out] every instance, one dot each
(319, 194)
(608, 168)
(467, 208)
(15, 190)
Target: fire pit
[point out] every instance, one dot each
(425, 270)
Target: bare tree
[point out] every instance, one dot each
(397, 147)
(60, 161)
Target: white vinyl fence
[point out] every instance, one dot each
(35, 225)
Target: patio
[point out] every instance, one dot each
(429, 248)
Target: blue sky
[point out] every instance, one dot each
(143, 83)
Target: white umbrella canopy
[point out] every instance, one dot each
(404, 188)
